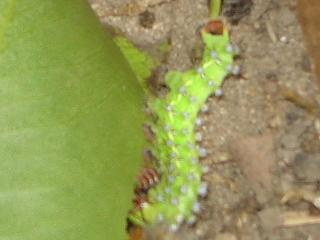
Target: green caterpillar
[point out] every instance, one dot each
(175, 198)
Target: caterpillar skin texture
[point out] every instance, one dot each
(175, 198)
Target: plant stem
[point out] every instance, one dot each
(215, 8)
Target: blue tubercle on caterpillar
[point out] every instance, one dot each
(175, 198)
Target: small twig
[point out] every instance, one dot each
(292, 219)
(214, 8)
(307, 103)
(298, 194)
(301, 194)
(271, 32)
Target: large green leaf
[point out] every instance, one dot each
(70, 124)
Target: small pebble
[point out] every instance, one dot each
(284, 39)
(316, 202)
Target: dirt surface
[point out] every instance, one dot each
(263, 135)
(309, 18)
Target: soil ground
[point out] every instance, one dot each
(263, 135)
